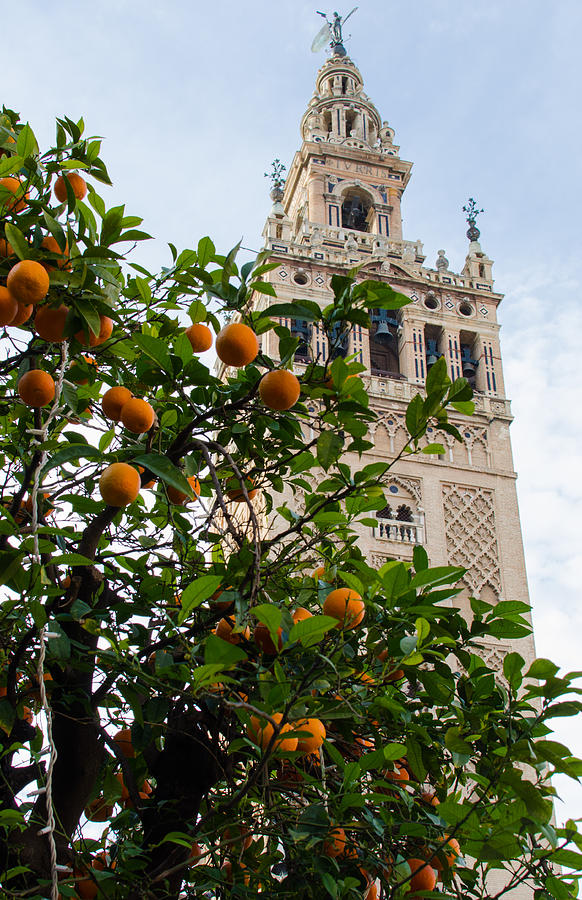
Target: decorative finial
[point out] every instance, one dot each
(277, 179)
(442, 262)
(473, 232)
(332, 33)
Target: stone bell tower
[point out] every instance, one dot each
(340, 208)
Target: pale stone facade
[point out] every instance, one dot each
(341, 208)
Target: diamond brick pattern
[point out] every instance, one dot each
(471, 535)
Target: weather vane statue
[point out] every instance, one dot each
(472, 211)
(331, 33)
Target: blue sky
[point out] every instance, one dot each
(195, 100)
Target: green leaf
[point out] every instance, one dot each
(414, 758)
(156, 349)
(415, 418)
(422, 631)
(218, 651)
(466, 407)
(437, 575)
(196, 593)
(434, 449)
(455, 743)
(206, 252)
(10, 564)
(419, 559)
(68, 453)
(438, 379)
(18, 241)
(7, 716)
(144, 289)
(169, 473)
(310, 631)
(56, 230)
(111, 225)
(513, 664)
(304, 309)
(26, 144)
(263, 287)
(542, 669)
(329, 448)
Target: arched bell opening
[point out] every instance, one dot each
(384, 340)
(357, 210)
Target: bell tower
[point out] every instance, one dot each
(341, 208)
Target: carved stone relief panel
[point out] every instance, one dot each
(471, 535)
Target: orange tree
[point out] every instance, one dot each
(206, 689)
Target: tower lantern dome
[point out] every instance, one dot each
(339, 110)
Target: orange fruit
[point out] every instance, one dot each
(151, 484)
(14, 186)
(78, 185)
(90, 362)
(50, 243)
(195, 854)
(264, 641)
(279, 389)
(398, 774)
(311, 742)
(320, 572)
(346, 606)
(223, 604)
(260, 733)
(300, 614)
(224, 630)
(98, 810)
(119, 484)
(28, 282)
(123, 786)
(36, 388)
(450, 851)
(114, 400)
(177, 497)
(23, 314)
(8, 306)
(234, 490)
(6, 248)
(237, 345)
(93, 340)
(423, 876)
(430, 797)
(123, 741)
(86, 888)
(335, 844)
(45, 497)
(137, 415)
(49, 323)
(200, 337)
(238, 837)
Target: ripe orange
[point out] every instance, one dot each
(200, 337)
(398, 774)
(451, 851)
(238, 837)
(264, 641)
(28, 282)
(196, 854)
(423, 879)
(123, 786)
(49, 323)
(114, 400)
(123, 741)
(137, 415)
(335, 844)
(28, 504)
(8, 306)
(119, 484)
(23, 314)
(260, 733)
(313, 741)
(36, 388)
(300, 614)
(93, 340)
(346, 606)
(14, 186)
(237, 345)
(321, 572)
(430, 797)
(86, 888)
(279, 389)
(50, 243)
(177, 497)
(98, 810)
(78, 185)
(150, 484)
(6, 248)
(77, 378)
(234, 490)
(224, 630)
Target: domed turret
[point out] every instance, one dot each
(339, 111)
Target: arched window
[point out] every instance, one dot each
(355, 209)
(384, 359)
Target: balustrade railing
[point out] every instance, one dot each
(396, 530)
